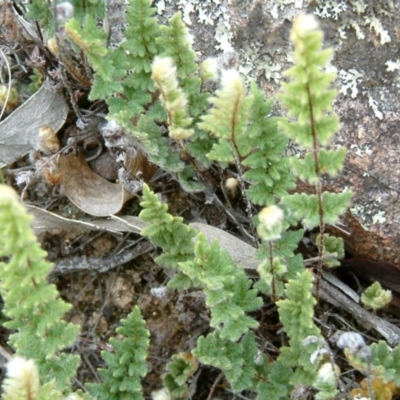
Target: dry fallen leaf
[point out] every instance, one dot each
(240, 252)
(19, 132)
(48, 222)
(88, 191)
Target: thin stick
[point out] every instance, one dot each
(9, 84)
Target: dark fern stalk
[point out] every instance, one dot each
(308, 98)
(277, 252)
(274, 282)
(318, 189)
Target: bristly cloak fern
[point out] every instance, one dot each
(126, 364)
(170, 233)
(296, 313)
(31, 303)
(308, 99)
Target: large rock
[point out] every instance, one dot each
(367, 61)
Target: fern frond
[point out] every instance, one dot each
(268, 169)
(296, 314)
(175, 44)
(32, 304)
(179, 370)
(235, 359)
(141, 43)
(226, 286)
(227, 120)
(168, 232)
(308, 98)
(126, 365)
(172, 97)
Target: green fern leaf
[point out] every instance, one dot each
(268, 170)
(166, 231)
(223, 284)
(32, 304)
(296, 314)
(235, 359)
(127, 363)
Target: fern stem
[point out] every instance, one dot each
(237, 155)
(274, 283)
(241, 180)
(204, 174)
(318, 189)
(236, 110)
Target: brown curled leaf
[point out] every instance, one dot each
(88, 191)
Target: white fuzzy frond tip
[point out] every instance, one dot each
(163, 68)
(22, 380)
(304, 24)
(231, 80)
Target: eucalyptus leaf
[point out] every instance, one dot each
(19, 132)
